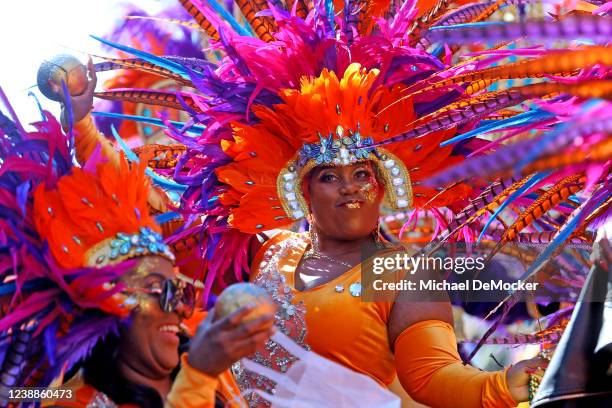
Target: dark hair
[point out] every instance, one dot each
(100, 370)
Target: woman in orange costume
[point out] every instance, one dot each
(92, 285)
(410, 338)
(413, 340)
(324, 117)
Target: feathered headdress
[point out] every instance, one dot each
(324, 82)
(67, 236)
(328, 121)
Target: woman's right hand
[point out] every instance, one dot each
(217, 345)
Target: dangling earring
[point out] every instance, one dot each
(376, 235)
(314, 237)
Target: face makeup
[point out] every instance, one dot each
(370, 190)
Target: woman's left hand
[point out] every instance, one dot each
(517, 377)
(83, 103)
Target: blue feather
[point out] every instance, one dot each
(21, 195)
(7, 288)
(437, 50)
(532, 181)
(163, 182)
(157, 179)
(166, 217)
(151, 121)
(521, 119)
(68, 107)
(126, 149)
(537, 148)
(38, 105)
(50, 341)
(153, 59)
(329, 8)
(34, 285)
(70, 120)
(248, 32)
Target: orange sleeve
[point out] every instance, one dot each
(192, 388)
(431, 371)
(87, 137)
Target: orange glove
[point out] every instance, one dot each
(430, 369)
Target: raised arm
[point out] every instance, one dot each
(87, 137)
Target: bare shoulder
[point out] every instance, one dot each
(263, 240)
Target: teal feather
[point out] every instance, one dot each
(525, 118)
(247, 32)
(151, 58)
(329, 8)
(157, 179)
(166, 217)
(150, 121)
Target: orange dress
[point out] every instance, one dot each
(349, 331)
(340, 326)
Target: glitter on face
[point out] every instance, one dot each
(370, 190)
(136, 279)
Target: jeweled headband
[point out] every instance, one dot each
(347, 148)
(126, 246)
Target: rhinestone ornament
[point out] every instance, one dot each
(355, 289)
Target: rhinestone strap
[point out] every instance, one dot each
(311, 254)
(290, 319)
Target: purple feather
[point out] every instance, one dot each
(463, 14)
(595, 28)
(508, 156)
(457, 117)
(77, 344)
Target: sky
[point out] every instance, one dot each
(32, 31)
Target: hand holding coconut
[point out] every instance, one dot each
(241, 322)
(80, 85)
